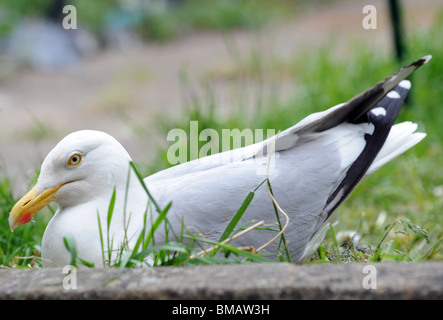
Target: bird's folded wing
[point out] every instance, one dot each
(352, 111)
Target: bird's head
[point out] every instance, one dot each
(81, 167)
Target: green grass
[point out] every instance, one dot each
(397, 212)
(21, 247)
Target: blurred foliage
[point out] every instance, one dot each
(230, 14)
(90, 13)
(152, 19)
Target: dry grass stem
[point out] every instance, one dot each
(238, 235)
(274, 201)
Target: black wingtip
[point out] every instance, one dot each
(418, 63)
(382, 122)
(356, 108)
(365, 101)
(422, 61)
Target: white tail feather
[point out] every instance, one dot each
(401, 138)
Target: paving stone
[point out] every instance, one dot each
(252, 281)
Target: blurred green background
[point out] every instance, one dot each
(157, 20)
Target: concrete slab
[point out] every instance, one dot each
(254, 281)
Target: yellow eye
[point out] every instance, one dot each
(75, 159)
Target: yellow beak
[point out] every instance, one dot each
(25, 209)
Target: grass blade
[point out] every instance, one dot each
(101, 238)
(142, 233)
(140, 178)
(233, 223)
(171, 246)
(336, 245)
(109, 218)
(71, 246)
(283, 238)
(111, 208)
(161, 217)
(247, 254)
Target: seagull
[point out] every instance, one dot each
(315, 165)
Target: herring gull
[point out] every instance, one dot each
(317, 163)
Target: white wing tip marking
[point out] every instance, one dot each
(427, 58)
(393, 95)
(379, 111)
(405, 84)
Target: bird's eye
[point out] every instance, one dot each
(75, 159)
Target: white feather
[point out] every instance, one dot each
(401, 138)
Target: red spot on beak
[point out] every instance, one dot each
(25, 218)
